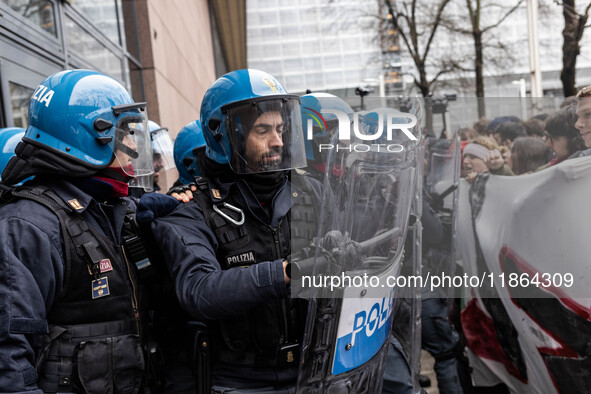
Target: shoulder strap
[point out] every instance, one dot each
(74, 229)
(6, 193)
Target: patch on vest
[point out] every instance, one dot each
(241, 259)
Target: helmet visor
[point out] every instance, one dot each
(132, 147)
(265, 135)
(162, 150)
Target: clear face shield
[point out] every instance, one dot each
(132, 147)
(162, 150)
(265, 135)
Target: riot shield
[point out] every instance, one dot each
(352, 279)
(442, 176)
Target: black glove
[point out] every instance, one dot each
(181, 188)
(343, 249)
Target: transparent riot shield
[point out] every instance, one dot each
(352, 279)
(442, 176)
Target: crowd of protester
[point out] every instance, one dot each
(507, 145)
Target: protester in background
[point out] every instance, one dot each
(476, 156)
(534, 126)
(528, 154)
(506, 133)
(480, 126)
(492, 126)
(583, 112)
(562, 136)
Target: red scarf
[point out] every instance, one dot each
(120, 189)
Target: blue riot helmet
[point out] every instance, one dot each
(89, 120)
(9, 138)
(319, 126)
(251, 123)
(188, 145)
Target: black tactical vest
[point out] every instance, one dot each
(268, 335)
(94, 342)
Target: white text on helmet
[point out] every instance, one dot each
(43, 95)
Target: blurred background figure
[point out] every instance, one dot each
(561, 135)
(162, 150)
(323, 127)
(161, 144)
(506, 133)
(189, 150)
(9, 138)
(528, 154)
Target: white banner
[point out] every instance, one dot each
(532, 234)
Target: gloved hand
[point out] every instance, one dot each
(183, 193)
(342, 248)
(154, 205)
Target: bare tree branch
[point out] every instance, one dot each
(502, 19)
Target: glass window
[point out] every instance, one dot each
(331, 45)
(252, 18)
(309, 30)
(294, 83)
(103, 14)
(272, 67)
(293, 65)
(253, 33)
(268, 18)
(267, 3)
(314, 80)
(255, 51)
(20, 97)
(333, 62)
(40, 12)
(333, 78)
(290, 31)
(311, 47)
(272, 50)
(291, 48)
(309, 15)
(312, 63)
(289, 16)
(88, 48)
(270, 32)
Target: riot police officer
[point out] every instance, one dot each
(189, 151)
(71, 313)
(9, 138)
(227, 248)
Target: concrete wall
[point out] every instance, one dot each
(178, 61)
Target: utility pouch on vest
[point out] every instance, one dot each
(135, 248)
(201, 355)
(110, 365)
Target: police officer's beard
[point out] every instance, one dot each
(265, 163)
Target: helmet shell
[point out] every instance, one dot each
(63, 111)
(312, 105)
(9, 139)
(187, 141)
(232, 88)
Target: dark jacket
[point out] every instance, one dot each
(210, 293)
(32, 271)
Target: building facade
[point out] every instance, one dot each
(166, 53)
